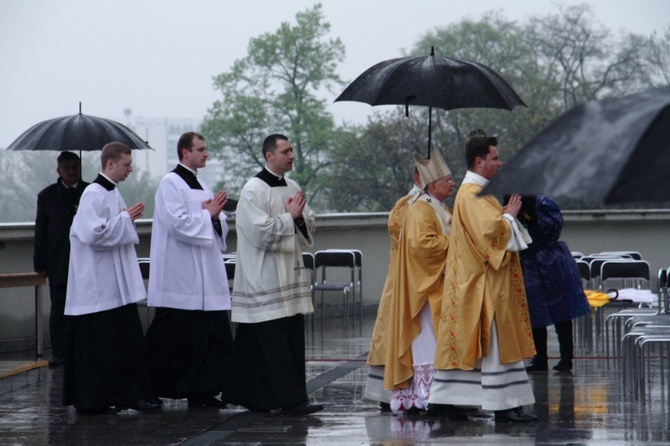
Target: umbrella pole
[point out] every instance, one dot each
(430, 121)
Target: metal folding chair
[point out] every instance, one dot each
(328, 263)
(662, 282)
(358, 283)
(630, 273)
(625, 254)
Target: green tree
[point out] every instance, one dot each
(553, 62)
(275, 90)
(372, 165)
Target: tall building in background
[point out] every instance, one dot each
(162, 135)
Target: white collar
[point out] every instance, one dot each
(110, 180)
(415, 190)
(279, 177)
(475, 178)
(193, 171)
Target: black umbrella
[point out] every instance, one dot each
(432, 81)
(76, 132)
(613, 150)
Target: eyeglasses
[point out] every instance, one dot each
(447, 180)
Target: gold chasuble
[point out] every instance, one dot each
(483, 281)
(379, 333)
(422, 254)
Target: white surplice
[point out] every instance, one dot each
(187, 270)
(270, 279)
(103, 273)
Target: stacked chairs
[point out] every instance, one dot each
(595, 261)
(593, 327)
(583, 326)
(623, 254)
(643, 333)
(584, 272)
(628, 273)
(631, 274)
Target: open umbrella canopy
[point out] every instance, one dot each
(432, 81)
(76, 132)
(612, 150)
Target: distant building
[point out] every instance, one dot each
(162, 135)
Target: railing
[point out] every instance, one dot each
(34, 280)
(646, 231)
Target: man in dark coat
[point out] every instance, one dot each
(56, 206)
(553, 283)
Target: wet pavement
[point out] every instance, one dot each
(587, 407)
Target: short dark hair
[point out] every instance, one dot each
(270, 143)
(67, 156)
(113, 151)
(186, 142)
(477, 146)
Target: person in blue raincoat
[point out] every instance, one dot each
(553, 283)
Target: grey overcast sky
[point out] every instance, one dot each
(157, 57)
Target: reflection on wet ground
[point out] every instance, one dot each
(586, 407)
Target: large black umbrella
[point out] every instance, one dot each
(76, 132)
(612, 150)
(432, 81)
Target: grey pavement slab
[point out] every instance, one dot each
(587, 407)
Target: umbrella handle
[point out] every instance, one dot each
(430, 127)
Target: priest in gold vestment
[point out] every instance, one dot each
(374, 387)
(484, 333)
(416, 300)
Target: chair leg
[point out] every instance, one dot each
(345, 301)
(321, 310)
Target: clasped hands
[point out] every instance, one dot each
(296, 204)
(215, 205)
(513, 206)
(135, 211)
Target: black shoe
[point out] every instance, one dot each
(56, 361)
(205, 401)
(153, 400)
(536, 366)
(413, 411)
(563, 366)
(384, 407)
(449, 411)
(144, 406)
(257, 409)
(475, 413)
(515, 415)
(102, 411)
(301, 409)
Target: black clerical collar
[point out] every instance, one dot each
(188, 176)
(104, 182)
(271, 179)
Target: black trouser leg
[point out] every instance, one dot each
(564, 333)
(58, 322)
(540, 338)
